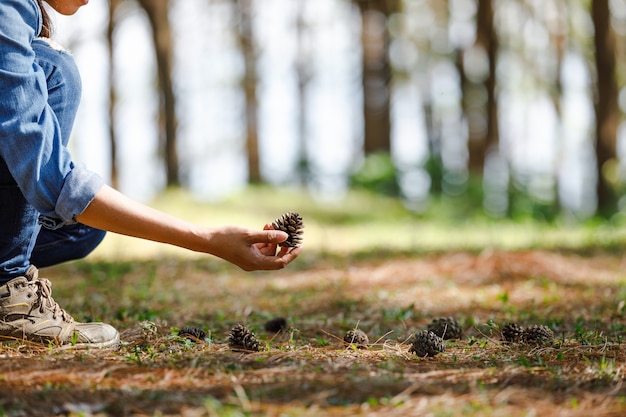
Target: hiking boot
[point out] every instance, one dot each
(28, 311)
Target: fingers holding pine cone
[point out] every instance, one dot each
(292, 224)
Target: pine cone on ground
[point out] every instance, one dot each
(427, 343)
(512, 332)
(292, 224)
(242, 338)
(192, 333)
(357, 337)
(275, 325)
(538, 333)
(447, 328)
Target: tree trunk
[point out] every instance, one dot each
(606, 107)
(481, 140)
(157, 11)
(246, 41)
(376, 74)
(559, 40)
(303, 80)
(113, 4)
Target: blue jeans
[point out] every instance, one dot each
(22, 239)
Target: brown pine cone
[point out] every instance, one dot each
(192, 333)
(243, 339)
(292, 224)
(538, 333)
(447, 328)
(357, 337)
(512, 332)
(427, 343)
(275, 325)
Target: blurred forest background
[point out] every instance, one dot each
(513, 108)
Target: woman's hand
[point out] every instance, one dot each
(252, 249)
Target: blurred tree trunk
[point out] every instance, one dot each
(302, 69)
(606, 106)
(113, 4)
(157, 12)
(248, 49)
(376, 74)
(433, 117)
(482, 139)
(559, 40)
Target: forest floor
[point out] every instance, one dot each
(308, 370)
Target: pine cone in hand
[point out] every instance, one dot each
(292, 224)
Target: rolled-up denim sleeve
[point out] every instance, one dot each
(30, 136)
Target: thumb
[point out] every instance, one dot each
(268, 236)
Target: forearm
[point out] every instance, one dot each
(247, 248)
(115, 212)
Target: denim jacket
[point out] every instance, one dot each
(31, 138)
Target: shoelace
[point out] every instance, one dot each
(44, 294)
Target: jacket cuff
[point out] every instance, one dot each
(79, 189)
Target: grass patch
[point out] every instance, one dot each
(388, 292)
(308, 369)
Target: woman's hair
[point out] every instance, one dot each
(46, 28)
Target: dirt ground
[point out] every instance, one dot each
(307, 369)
